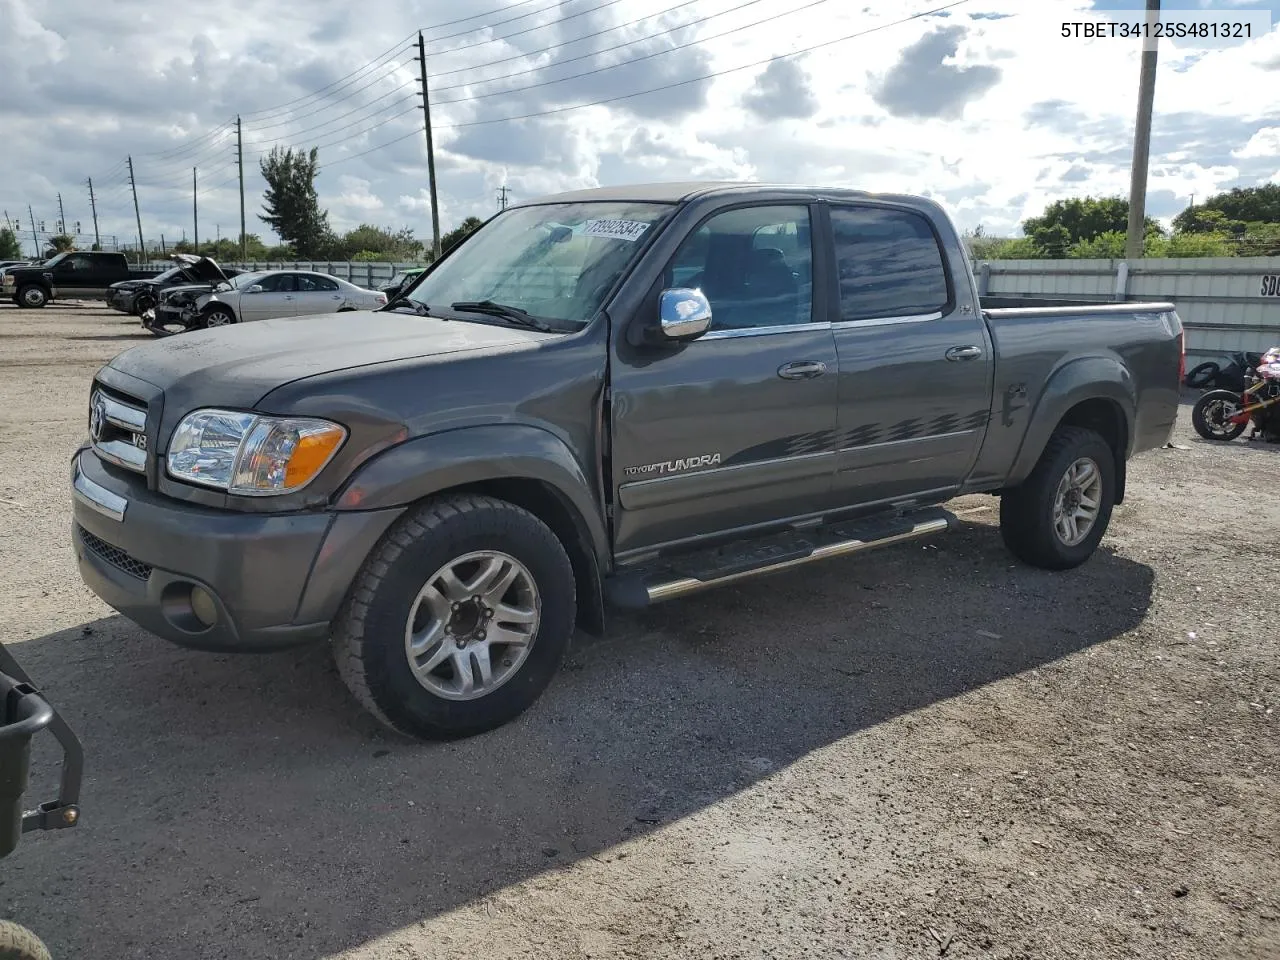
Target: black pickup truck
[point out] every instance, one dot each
(616, 396)
(81, 274)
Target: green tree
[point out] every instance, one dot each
(1065, 223)
(386, 243)
(460, 233)
(290, 204)
(1240, 205)
(10, 249)
(1012, 248)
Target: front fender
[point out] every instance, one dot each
(427, 465)
(1085, 378)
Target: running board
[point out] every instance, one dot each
(684, 575)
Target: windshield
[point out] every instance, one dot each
(52, 260)
(170, 274)
(557, 261)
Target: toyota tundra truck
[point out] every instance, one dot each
(607, 398)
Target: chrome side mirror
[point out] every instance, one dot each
(256, 288)
(683, 314)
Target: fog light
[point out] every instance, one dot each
(203, 607)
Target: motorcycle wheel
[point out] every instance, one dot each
(1211, 416)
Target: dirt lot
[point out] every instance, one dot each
(929, 752)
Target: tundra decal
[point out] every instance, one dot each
(674, 466)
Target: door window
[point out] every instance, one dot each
(277, 283)
(76, 263)
(889, 264)
(310, 283)
(754, 264)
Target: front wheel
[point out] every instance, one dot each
(32, 297)
(142, 305)
(459, 619)
(218, 317)
(1211, 416)
(1057, 516)
(19, 943)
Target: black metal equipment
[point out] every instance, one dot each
(26, 713)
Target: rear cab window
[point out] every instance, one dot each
(889, 264)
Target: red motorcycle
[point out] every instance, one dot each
(1224, 414)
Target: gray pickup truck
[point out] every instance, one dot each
(610, 397)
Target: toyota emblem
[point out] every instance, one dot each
(97, 417)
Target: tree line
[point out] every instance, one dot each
(1244, 221)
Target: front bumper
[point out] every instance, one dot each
(273, 580)
(122, 300)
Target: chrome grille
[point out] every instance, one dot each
(114, 555)
(118, 431)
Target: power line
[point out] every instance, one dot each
(352, 135)
(585, 36)
(706, 76)
(520, 33)
(328, 105)
(621, 63)
(375, 62)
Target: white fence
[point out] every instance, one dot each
(1225, 303)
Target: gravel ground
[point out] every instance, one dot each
(931, 752)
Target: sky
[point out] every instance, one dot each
(983, 106)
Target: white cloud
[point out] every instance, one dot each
(87, 83)
(1264, 143)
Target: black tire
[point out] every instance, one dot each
(1203, 376)
(19, 943)
(369, 635)
(32, 296)
(210, 320)
(142, 305)
(1027, 511)
(1208, 416)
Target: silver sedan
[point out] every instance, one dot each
(283, 293)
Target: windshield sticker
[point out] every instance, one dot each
(629, 230)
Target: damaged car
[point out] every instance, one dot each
(136, 297)
(261, 295)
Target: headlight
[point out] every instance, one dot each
(251, 455)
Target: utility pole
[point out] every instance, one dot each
(244, 255)
(62, 217)
(34, 239)
(1142, 138)
(502, 198)
(134, 184)
(195, 210)
(93, 205)
(431, 151)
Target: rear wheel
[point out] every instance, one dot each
(459, 619)
(32, 296)
(1058, 515)
(19, 943)
(1211, 416)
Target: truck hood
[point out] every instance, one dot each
(237, 366)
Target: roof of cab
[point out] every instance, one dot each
(684, 191)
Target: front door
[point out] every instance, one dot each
(915, 359)
(734, 429)
(276, 299)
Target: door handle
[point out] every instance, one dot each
(336, 296)
(964, 353)
(802, 370)
(288, 296)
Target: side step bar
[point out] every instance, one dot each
(681, 576)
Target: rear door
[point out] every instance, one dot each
(316, 294)
(734, 429)
(276, 299)
(915, 358)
